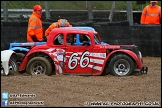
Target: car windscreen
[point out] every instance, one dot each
(97, 41)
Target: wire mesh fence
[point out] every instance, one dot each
(101, 9)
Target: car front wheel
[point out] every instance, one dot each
(121, 65)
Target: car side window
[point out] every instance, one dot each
(85, 39)
(59, 39)
(78, 40)
(70, 39)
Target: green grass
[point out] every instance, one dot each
(74, 5)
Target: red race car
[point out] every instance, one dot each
(81, 52)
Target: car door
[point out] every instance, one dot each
(78, 57)
(59, 53)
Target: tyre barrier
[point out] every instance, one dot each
(146, 37)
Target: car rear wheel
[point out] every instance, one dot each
(39, 65)
(13, 66)
(121, 65)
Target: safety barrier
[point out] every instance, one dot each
(146, 37)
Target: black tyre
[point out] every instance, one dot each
(121, 65)
(107, 70)
(39, 65)
(13, 66)
(19, 58)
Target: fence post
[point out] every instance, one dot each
(112, 11)
(90, 13)
(5, 10)
(47, 10)
(129, 12)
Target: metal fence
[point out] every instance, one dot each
(14, 10)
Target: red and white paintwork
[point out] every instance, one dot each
(88, 60)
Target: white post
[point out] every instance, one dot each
(112, 11)
(47, 10)
(90, 13)
(5, 10)
(129, 12)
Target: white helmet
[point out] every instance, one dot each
(63, 23)
(154, 1)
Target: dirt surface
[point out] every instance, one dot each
(80, 91)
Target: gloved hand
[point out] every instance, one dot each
(34, 38)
